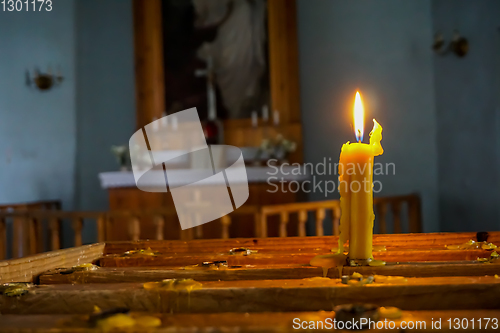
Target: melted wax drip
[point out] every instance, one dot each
(327, 261)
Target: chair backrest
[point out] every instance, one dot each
(382, 206)
(19, 234)
(320, 209)
(30, 229)
(394, 205)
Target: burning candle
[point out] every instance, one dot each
(356, 189)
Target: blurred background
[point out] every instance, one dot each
(428, 71)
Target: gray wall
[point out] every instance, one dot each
(468, 114)
(105, 94)
(381, 48)
(37, 129)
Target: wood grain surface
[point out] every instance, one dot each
(28, 268)
(311, 243)
(266, 272)
(436, 293)
(270, 258)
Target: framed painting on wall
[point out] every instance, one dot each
(249, 45)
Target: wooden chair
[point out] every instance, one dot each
(21, 232)
(394, 206)
(36, 226)
(382, 206)
(301, 209)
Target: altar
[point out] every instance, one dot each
(265, 186)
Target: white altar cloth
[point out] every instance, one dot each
(186, 176)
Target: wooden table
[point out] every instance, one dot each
(266, 290)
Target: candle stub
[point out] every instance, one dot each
(356, 196)
(356, 189)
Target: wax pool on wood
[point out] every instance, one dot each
(376, 263)
(174, 284)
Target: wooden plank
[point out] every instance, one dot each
(271, 272)
(326, 243)
(269, 258)
(27, 268)
(437, 293)
(246, 322)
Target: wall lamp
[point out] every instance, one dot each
(458, 44)
(43, 81)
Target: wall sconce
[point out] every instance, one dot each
(43, 81)
(458, 44)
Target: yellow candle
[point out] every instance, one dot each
(356, 188)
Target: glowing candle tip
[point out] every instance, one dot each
(358, 117)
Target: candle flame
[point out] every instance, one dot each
(359, 113)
